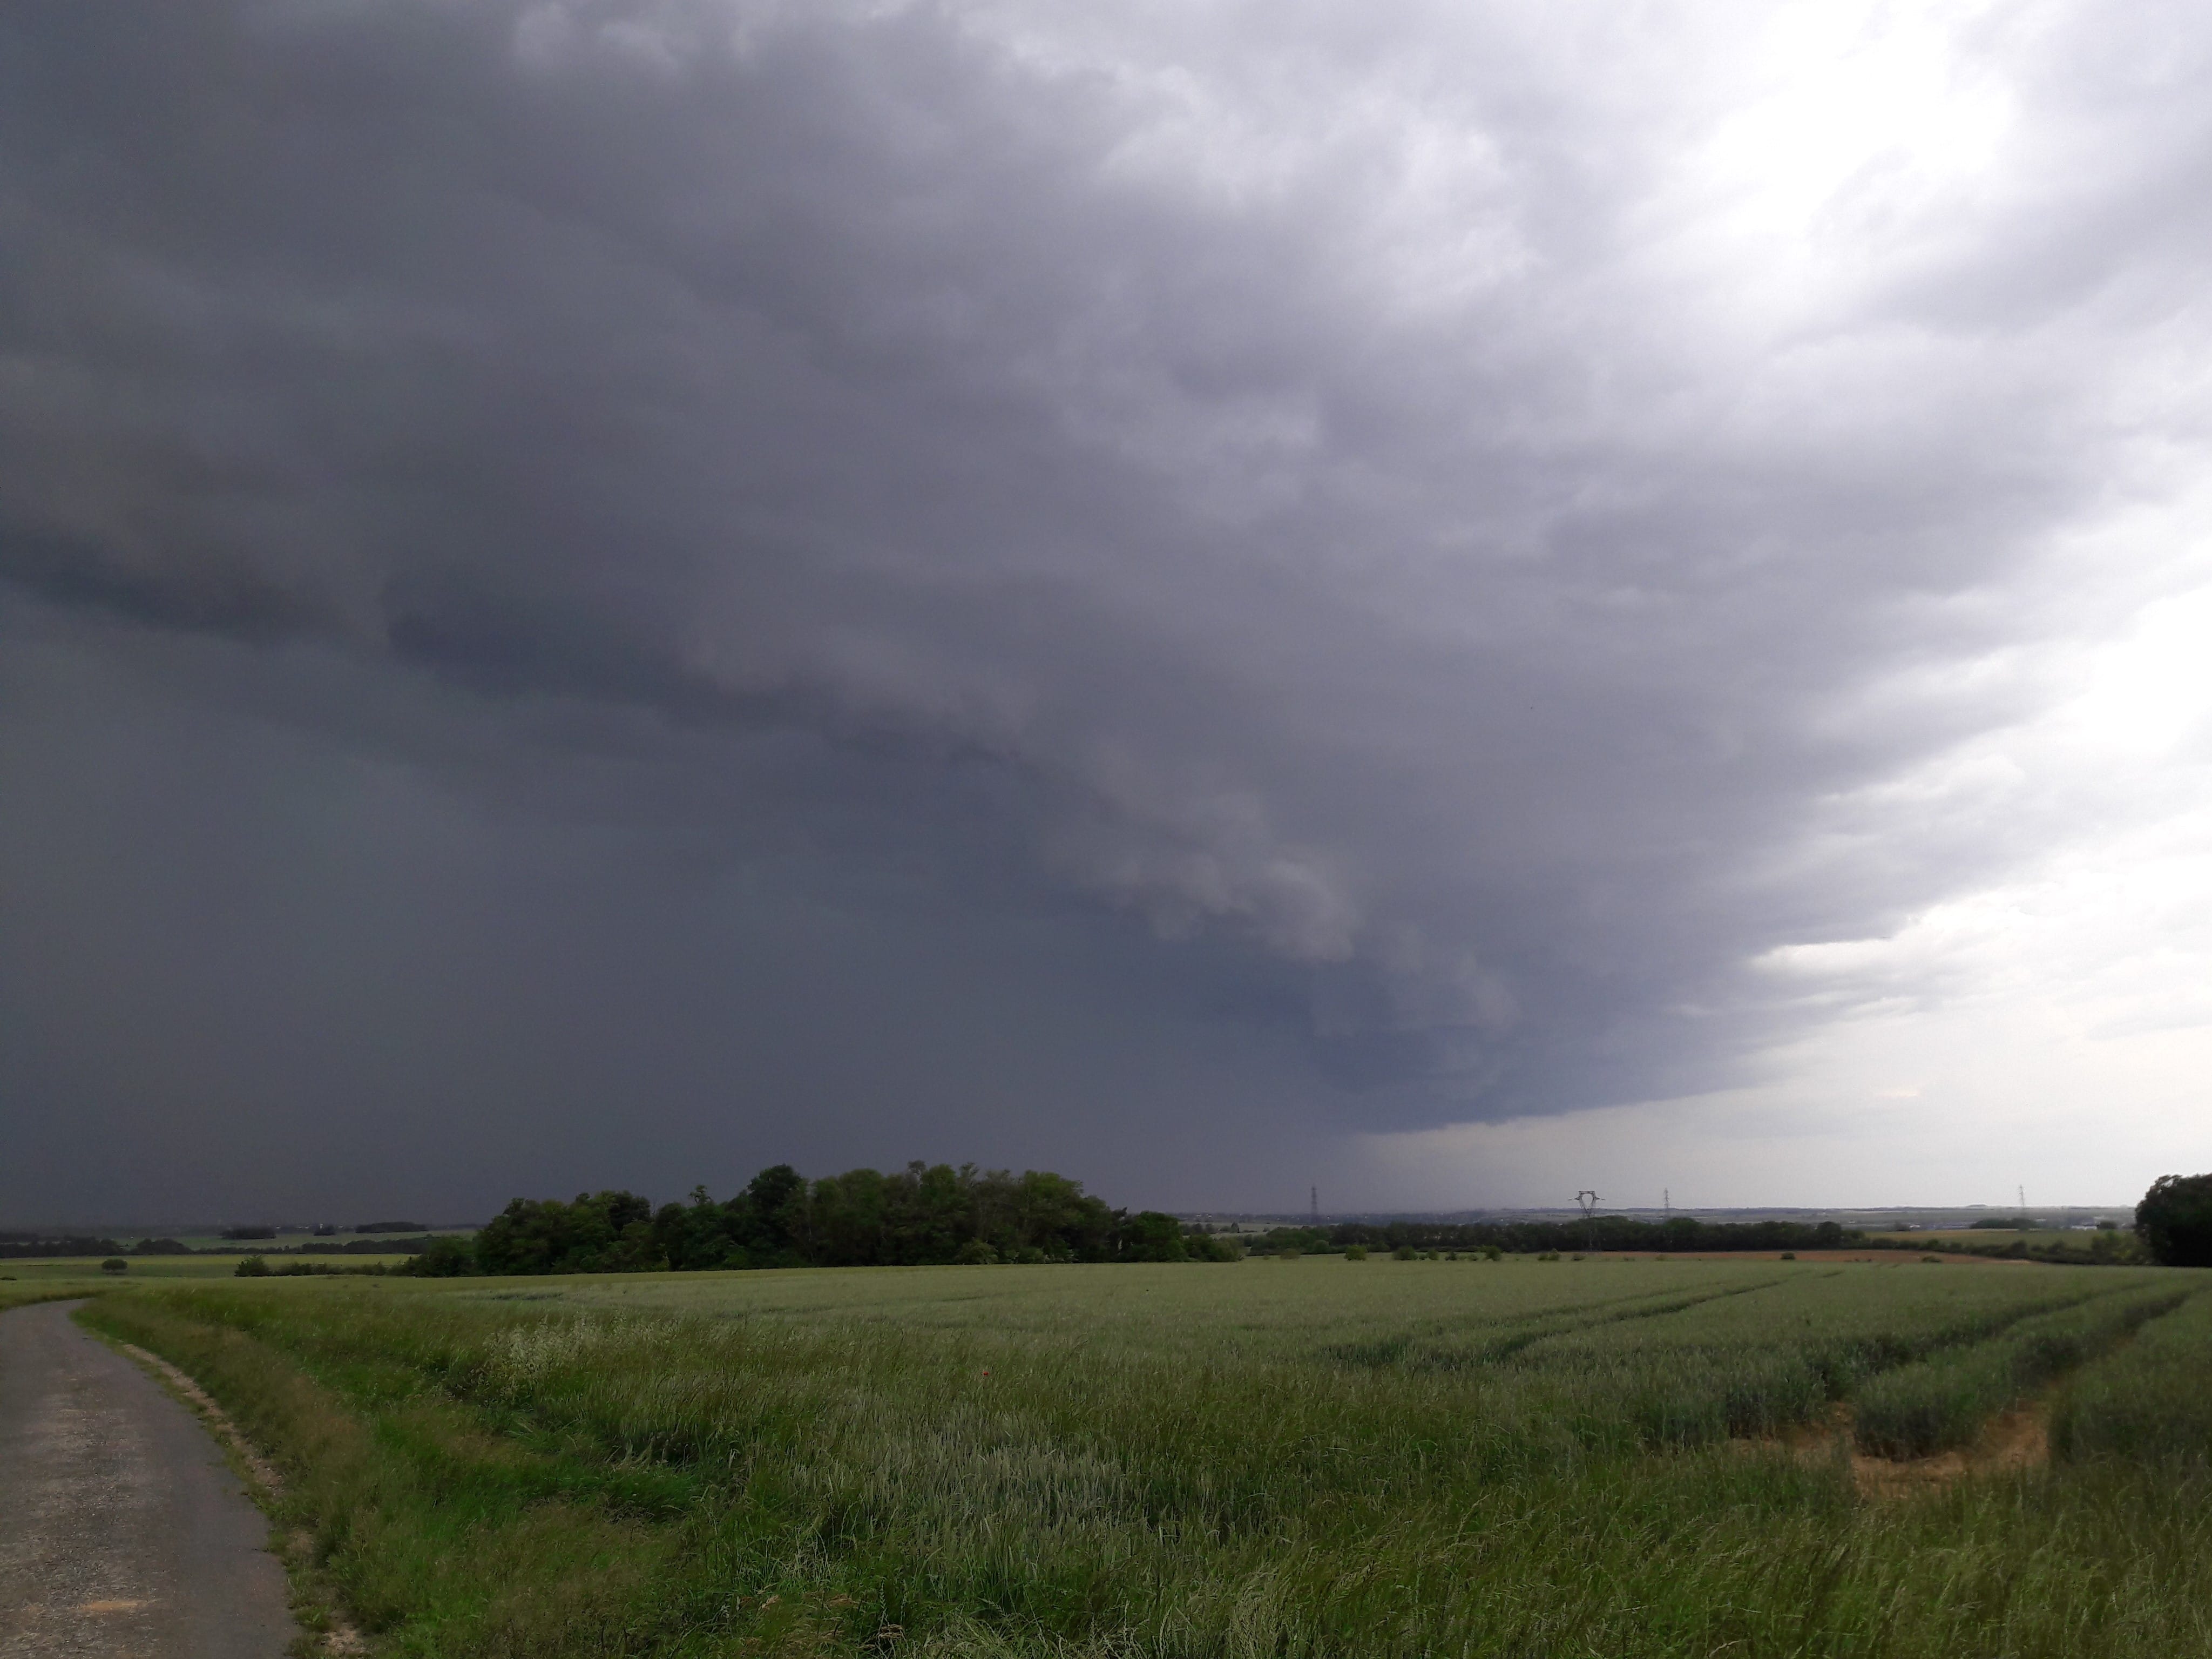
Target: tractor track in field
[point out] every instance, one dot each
(1431, 1349)
(2016, 1438)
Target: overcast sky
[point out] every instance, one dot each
(1452, 602)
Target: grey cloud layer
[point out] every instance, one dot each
(1361, 497)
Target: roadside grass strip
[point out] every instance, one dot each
(1942, 1403)
(2151, 1401)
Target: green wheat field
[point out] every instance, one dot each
(1606, 1457)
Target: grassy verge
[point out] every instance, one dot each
(434, 1531)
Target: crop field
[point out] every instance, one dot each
(1283, 1458)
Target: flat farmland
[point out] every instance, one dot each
(1307, 1457)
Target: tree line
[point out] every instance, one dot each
(15, 1246)
(1685, 1234)
(2173, 1227)
(922, 1215)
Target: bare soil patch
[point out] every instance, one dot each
(2016, 1439)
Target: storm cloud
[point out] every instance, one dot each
(615, 591)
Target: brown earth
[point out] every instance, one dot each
(2016, 1439)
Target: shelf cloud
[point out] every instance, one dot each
(614, 591)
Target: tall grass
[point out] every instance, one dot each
(1943, 1402)
(1769, 1355)
(1007, 1462)
(2151, 1401)
(16, 1292)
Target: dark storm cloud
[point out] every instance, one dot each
(1354, 496)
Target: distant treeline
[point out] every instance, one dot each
(1681, 1233)
(359, 1246)
(328, 1231)
(2104, 1248)
(17, 1246)
(921, 1215)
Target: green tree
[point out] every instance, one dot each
(1150, 1235)
(444, 1257)
(768, 1220)
(923, 1214)
(2174, 1221)
(595, 1232)
(694, 1235)
(850, 1214)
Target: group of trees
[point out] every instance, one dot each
(2174, 1221)
(922, 1214)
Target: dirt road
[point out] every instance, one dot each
(122, 1529)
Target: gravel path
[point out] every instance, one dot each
(122, 1529)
